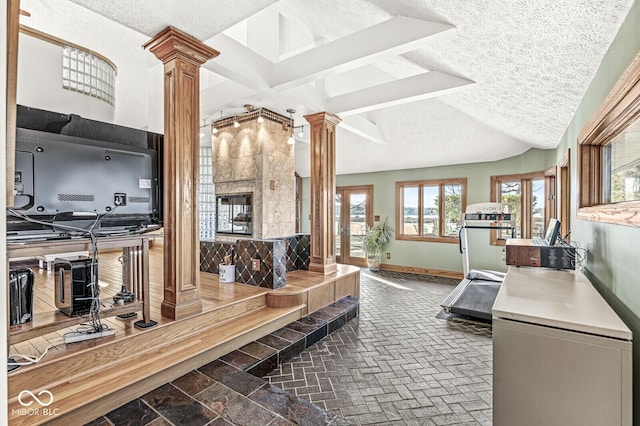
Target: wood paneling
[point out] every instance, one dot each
(13, 21)
(182, 56)
(323, 191)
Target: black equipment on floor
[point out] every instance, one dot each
(20, 296)
(73, 289)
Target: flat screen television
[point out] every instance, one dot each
(67, 183)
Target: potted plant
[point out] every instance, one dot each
(376, 240)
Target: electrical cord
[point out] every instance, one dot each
(30, 359)
(95, 325)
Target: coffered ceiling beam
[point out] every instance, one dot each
(392, 37)
(239, 64)
(410, 89)
(362, 127)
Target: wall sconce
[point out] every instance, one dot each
(301, 134)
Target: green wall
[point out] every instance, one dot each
(613, 259)
(442, 256)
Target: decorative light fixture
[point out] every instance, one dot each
(301, 134)
(235, 122)
(260, 119)
(214, 129)
(291, 140)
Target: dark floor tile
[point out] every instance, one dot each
(177, 407)
(301, 327)
(133, 413)
(234, 407)
(240, 360)
(317, 335)
(293, 350)
(313, 321)
(288, 334)
(324, 316)
(194, 382)
(236, 379)
(258, 350)
(265, 366)
(337, 323)
(100, 421)
(331, 311)
(352, 313)
(291, 407)
(161, 421)
(274, 341)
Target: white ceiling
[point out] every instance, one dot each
(417, 82)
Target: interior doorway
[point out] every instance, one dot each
(354, 212)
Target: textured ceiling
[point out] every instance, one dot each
(418, 82)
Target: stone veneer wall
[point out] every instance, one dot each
(255, 158)
(277, 257)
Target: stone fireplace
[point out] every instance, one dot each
(254, 158)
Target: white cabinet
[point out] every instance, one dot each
(561, 356)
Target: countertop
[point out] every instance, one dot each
(562, 299)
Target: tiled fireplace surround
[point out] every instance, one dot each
(277, 256)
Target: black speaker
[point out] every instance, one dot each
(73, 289)
(20, 296)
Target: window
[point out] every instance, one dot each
(430, 210)
(87, 73)
(526, 196)
(609, 155)
(207, 194)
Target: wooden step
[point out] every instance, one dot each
(80, 357)
(119, 374)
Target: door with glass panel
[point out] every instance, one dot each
(354, 212)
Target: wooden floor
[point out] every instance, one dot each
(121, 367)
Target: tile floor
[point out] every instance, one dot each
(395, 364)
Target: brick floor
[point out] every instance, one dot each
(397, 363)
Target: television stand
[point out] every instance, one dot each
(135, 247)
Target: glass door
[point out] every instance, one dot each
(354, 212)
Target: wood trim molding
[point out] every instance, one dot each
(60, 42)
(13, 19)
(171, 42)
(620, 109)
(421, 271)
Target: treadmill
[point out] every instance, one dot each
(475, 294)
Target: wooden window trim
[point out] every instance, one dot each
(525, 181)
(441, 226)
(564, 198)
(619, 110)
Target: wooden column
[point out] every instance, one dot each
(323, 191)
(182, 56)
(13, 24)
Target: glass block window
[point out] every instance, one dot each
(207, 195)
(86, 73)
